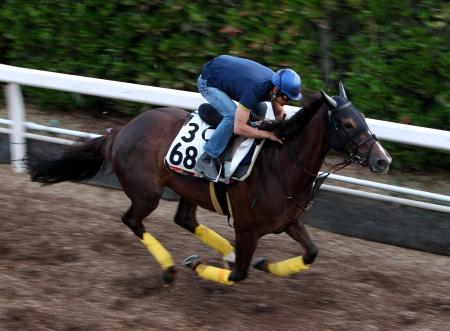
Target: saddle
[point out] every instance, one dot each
(211, 116)
(237, 159)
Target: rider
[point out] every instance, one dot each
(227, 78)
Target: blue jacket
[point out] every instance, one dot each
(245, 81)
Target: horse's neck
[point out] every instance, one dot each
(310, 149)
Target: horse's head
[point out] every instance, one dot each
(349, 133)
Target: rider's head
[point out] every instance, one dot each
(288, 83)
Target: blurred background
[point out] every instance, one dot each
(68, 263)
(393, 56)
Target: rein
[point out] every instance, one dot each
(313, 189)
(284, 184)
(319, 179)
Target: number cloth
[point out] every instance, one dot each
(188, 144)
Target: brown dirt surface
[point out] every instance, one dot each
(68, 263)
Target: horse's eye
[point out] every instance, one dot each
(348, 125)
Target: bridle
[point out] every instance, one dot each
(345, 137)
(349, 140)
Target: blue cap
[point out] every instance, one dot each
(288, 82)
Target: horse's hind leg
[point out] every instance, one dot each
(133, 218)
(296, 231)
(185, 217)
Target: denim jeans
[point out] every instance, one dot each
(227, 108)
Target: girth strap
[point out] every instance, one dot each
(220, 199)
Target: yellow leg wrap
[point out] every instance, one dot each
(214, 240)
(214, 274)
(287, 267)
(157, 250)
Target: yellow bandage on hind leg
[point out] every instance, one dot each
(157, 250)
(213, 240)
(287, 267)
(214, 274)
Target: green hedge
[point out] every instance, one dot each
(392, 55)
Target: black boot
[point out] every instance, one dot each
(207, 165)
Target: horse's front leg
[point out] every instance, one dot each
(285, 268)
(246, 242)
(297, 231)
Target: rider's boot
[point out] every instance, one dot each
(207, 165)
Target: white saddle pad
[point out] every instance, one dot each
(188, 146)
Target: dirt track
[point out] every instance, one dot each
(68, 263)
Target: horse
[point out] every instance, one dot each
(273, 199)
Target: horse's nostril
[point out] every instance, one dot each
(382, 163)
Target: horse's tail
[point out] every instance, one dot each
(77, 162)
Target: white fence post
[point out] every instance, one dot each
(16, 110)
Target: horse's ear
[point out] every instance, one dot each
(342, 90)
(328, 100)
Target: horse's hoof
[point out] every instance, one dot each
(192, 261)
(169, 275)
(261, 264)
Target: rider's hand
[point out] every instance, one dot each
(270, 135)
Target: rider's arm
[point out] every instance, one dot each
(278, 110)
(241, 127)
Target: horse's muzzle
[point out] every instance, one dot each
(380, 160)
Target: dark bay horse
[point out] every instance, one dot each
(271, 200)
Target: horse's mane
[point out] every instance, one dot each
(299, 121)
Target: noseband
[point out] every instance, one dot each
(349, 140)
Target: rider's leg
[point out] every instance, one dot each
(208, 163)
(227, 108)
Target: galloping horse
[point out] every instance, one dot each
(271, 200)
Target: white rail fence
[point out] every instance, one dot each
(17, 127)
